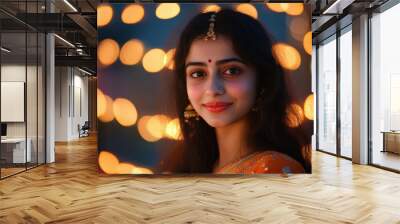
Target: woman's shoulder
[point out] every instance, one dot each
(265, 162)
(271, 161)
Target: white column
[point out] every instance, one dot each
(360, 90)
(50, 93)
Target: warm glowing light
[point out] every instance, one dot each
(173, 130)
(156, 125)
(131, 52)
(309, 107)
(104, 15)
(132, 14)
(295, 9)
(101, 103)
(295, 116)
(247, 9)
(124, 168)
(168, 59)
(277, 7)
(154, 60)
(108, 51)
(287, 56)
(108, 162)
(143, 130)
(108, 115)
(211, 8)
(125, 112)
(298, 27)
(141, 170)
(167, 10)
(307, 42)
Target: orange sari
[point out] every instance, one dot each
(262, 162)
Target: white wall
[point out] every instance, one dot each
(71, 94)
(16, 73)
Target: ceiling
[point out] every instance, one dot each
(75, 21)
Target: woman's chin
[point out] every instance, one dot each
(217, 122)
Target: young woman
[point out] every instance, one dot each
(232, 100)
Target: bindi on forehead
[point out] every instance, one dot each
(209, 60)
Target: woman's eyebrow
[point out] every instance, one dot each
(219, 62)
(223, 61)
(195, 64)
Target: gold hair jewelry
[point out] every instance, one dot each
(211, 34)
(190, 113)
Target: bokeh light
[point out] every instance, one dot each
(108, 114)
(211, 8)
(132, 14)
(297, 27)
(101, 103)
(154, 60)
(125, 112)
(309, 107)
(295, 9)
(247, 9)
(168, 60)
(287, 56)
(157, 124)
(173, 130)
(167, 10)
(141, 170)
(124, 168)
(104, 15)
(108, 162)
(277, 7)
(307, 42)
(295, 115)
(108, 51)
(131, 52)
(143, 130)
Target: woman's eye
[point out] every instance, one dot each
(232, 71)
(197, 74)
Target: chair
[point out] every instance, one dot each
(84, 130)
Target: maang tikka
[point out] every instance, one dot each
(211, 33)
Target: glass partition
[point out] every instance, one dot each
(22, 89)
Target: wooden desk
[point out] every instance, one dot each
(391, 141)
(18, 149)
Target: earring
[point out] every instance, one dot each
(190, 113)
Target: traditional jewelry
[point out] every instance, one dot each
(211, 34)
(190, 113)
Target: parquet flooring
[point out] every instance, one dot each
(71, 191)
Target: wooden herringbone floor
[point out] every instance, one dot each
(71, 191)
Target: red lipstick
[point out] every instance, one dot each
(216, 106)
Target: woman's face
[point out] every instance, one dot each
(220, 86)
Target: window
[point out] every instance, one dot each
(346, 92)
(385, 89)
(327, 96)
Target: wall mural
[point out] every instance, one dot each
(204, 88)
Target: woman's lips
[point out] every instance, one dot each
(216, 106)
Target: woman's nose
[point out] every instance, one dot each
(215, 85)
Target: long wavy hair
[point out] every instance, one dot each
(198, 151)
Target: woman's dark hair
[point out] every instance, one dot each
(198, 151)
